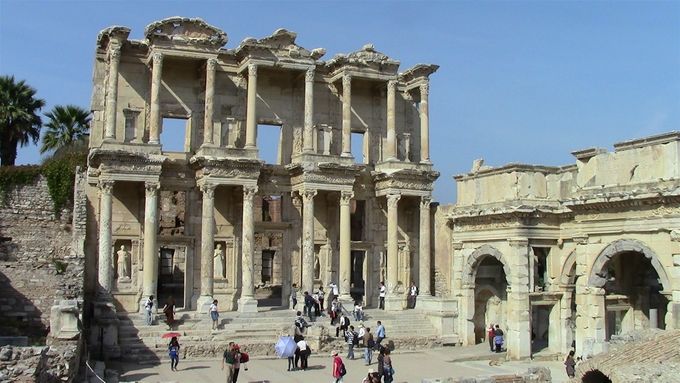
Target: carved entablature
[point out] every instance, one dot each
(123, 166)
(185, 31)
(280, 45)
(273, 180)
(405, 182)
(323, 176)
(589, 201)
(225, 171)
(116, 33)
(365, 58)
(417, 74)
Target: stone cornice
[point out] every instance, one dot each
(418, 73)
(658, 139)
(185, 31)
(365, 58)
(406, 181)
(323, 175)
(117, 32)
(514, 167)
(226, 171)
(279, 47)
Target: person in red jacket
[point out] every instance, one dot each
(338, 367)
(491, 333)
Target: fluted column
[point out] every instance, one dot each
(391, 121)
(247, 302)
(345, 245)
(424, 241)
(308, 239)
(251, 111)
(309, 111)
(347, 116)
(208, 123)
(150, 275)
(392, 301)
(105, 275)
(207, 246)
(156, 75)
(424, 124)
(112, 94)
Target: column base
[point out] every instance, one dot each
(203, 303)
(395, 303)
(247, 305)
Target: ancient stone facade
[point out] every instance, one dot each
(212, 220)
(566, 256)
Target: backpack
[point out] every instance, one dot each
(244, 357)
(342, 369)
(355, 339)
(298, 324)
(370, 343)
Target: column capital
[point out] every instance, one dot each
(114, 53)
(249, 192)
(308, 194)
(391, 85)
(425, 202)
(208, 190)
(157, 59)
(105, 186)
(424, 90)
(252, 70)
(296, 199)
(346, 197)
(457, 245)
(309, 74)
(392, 200)
(346, 81)
(151, 187)
(211, 64)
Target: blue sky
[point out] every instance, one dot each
(519, 81)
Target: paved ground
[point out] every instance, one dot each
(409, 367)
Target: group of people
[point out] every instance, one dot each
(495, 336)
(168, 310)
(232, 359)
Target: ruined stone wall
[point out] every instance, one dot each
(54, 363)
(37, 264)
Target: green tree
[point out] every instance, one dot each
(19, 119)
(67, 128)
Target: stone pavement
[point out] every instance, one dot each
(410, 367)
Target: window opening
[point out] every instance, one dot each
(357, 216)
(269, 143)
(174, 135)
(358, 150)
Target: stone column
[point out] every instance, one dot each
(208, 123)
(156, 74)
(308, 141)
(518, 334)
(391, 151)
(105, 276)
(393, 301)
(247, 302)
(424, 241)
(251, 111)
(150, 274)
(346, 116)
(345, 246)
(308, 239)
(112, 94)
(207, 247)
(424, 124)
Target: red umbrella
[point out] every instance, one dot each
(170, 335)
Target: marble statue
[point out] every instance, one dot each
(123, 262)
(218, 264)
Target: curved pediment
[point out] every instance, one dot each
(185, 31)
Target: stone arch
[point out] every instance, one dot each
(567, 266)
(597, 279)
(473, 260)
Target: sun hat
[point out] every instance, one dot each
(334, 353)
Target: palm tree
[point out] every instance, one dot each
(19, 119)
(68, 127)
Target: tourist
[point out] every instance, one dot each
(352, 340)
(388, 370)
(173, 351)
(229, 359)
(498, 338)
(369, 343)
(491, 333)
(333, 310)
(169, 311)
(358, 311)
(309, 305)
(371, 377)
(300, 324)
(237, 363)
(338, 370)
(293, 295)
(383, 291)
(148, 310)
(343, 325)
(380, 333)
(315, 298)
(320, 292)
(334, 290)
(412, 295)
(570, 364)
(214, 314)
(381, 361)
(362, 331)
(291, 363)
(304, 351)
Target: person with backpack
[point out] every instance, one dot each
(498, 338)
(229, 359)
(339, 369)
(352, 340)
(237, 363)
(148, 310)
(300, 324)
(388, 370)
(369, 343)
(173, 351)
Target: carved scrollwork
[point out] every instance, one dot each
(424, 90)
(105, 186)
(346, 83)
(346, 197)
(393, 200)
(425, 202)
(211, 64)
(249, 193)
(151, 188)
(157, 59)
(114, 53)
(252, 70)
(309, 75)
(391, 85)
(308, 195)
(208, 190)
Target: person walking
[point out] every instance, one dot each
(293, 295)
(305, 351)
(369, 343)
(173, 351)
(309, 306)
(362, 331)
(333, 310)
(352, 340)
(321, 297)
(381, 361)
(380, 333)
(383, 291)
(498, 338)
(358, 311)
(214, 314)
(228, 359)
(338, 370)
(300, 324)
(334, 290)
(388, 370)
(491, 333)
(237, 363)
(570, 364)
(343, 325)
(412, 295)
(169, 311)
(148, 310)
(315, 298)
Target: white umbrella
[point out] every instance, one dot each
(285, 347)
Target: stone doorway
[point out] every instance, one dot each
(171, 271)
(357, 280)
(540, 327)
(490, 298)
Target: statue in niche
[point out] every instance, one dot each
(493, 310)
(218, 264)
(317, 267)
(123, 262)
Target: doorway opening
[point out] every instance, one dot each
(357, 282)
(490, 297)
(540, 327)
(171, 275)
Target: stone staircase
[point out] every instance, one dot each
(258, 332)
